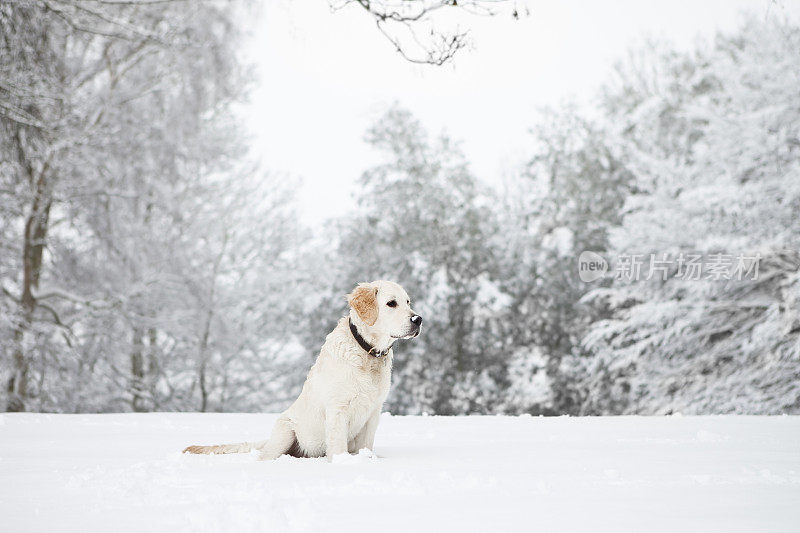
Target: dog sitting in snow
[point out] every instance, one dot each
(338, 409)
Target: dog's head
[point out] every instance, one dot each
(385, 308)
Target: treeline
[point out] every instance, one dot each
(694, 155)
(147, 264)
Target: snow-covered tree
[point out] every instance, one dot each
(566, 200)
(129, 255)
(712, 139)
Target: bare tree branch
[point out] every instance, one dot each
(410, 27)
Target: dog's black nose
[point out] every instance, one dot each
(417, 320)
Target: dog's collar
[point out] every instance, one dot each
(364, 344)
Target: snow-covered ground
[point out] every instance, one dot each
(124, 472)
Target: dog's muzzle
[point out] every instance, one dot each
(413, 330)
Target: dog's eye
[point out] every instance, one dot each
(391, 303)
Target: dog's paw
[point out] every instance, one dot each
(340, 458)
(266, 455)
(364, 454)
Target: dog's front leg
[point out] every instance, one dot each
(335, 431)
(372, 428)
(366, 437)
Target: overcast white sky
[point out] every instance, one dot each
(325, 77)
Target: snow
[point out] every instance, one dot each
(124, 471)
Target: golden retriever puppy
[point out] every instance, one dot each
(339, 407)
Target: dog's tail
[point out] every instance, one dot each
(240, 447)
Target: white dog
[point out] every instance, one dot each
(338, 410)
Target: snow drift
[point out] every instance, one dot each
(124, 471)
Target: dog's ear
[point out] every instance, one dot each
(363, 300)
